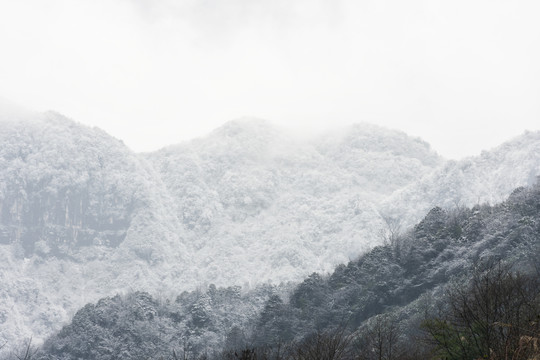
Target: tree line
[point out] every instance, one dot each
(462, 284)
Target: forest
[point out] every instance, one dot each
(461, 284)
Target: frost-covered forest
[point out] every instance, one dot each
(452, 269)
(207, 235)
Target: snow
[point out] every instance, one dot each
(83, 217)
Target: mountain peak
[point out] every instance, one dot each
(246, 127)
(365, 138)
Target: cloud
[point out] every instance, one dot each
(177, 69)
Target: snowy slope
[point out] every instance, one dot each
(263, 206)
(408, 281)
(488, 178)
(81, 216)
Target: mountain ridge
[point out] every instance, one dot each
(83, 216)
(489, 177)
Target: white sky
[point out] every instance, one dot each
(462, 74)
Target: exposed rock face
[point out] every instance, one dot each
(64, 186)
(80, 215)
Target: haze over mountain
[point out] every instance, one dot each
(82, 216)
(262, 205)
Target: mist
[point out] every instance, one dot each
(461, 75)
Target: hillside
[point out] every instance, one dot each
(403, 280)
(263, 205)
(488, 178)
(83, 217)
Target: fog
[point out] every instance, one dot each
(462, 75)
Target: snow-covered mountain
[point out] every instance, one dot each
(83, 217)
(263, 206)
(407, 281)
(488, 178)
